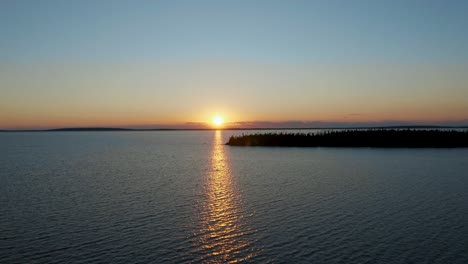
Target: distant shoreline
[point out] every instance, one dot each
(379, 138)
(117, 129)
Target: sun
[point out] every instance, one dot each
(218, 120)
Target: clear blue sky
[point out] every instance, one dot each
(37, 34)
(298, 31)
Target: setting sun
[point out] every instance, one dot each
(218, 121)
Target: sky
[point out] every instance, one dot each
(160, 64)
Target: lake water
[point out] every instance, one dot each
(184, 197)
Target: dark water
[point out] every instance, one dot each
(183, 197)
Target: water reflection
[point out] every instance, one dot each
(223, 231)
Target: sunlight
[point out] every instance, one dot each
(223, 235)
(218, 120)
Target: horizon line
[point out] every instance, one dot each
(122, 129)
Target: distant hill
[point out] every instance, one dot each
(90, 129)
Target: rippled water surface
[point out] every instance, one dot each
(184, 197)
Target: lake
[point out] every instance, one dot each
(185, 197)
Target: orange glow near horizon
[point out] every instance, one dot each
(69, 95)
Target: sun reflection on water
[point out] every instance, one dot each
(222, 237)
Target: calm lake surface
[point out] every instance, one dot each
(184, 197)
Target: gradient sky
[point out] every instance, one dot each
(257, 63)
